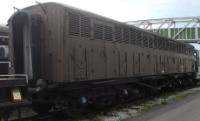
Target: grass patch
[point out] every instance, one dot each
(138, 107)
(163, 100)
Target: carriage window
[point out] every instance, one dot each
(2, 52)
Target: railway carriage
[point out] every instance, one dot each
(73, 56)
(12, 86)
(4, 62)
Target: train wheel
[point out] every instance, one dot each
(41, 108)
(77, 106)
(5, 115)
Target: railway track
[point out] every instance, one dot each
(51, 116)
(61, 115)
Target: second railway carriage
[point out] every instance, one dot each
(13, 87)
(72, 55)
(4, 62)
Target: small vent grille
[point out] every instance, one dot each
(126, 35)
(74, 24)
(132, 36)
(138, 38)
(174, 47)
(108, 33)
(166, 44)
(171, 45)
(181, 48)
(150, 42)
(160, 43)
(146, 41)
(157, 43)
(98, 31)
(118, 33)
(163, 44)
(85, 26)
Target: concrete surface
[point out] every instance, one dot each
(187, 109)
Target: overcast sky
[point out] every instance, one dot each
(121, 10)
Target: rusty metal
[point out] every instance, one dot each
(64, 51)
